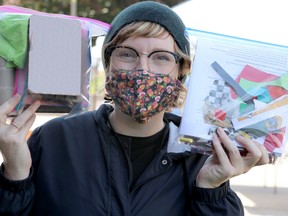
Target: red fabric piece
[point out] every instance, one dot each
(274, 140)
(252, 74)
(220, 114)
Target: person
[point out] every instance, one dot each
(122, 159)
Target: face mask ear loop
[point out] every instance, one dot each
(107, 98)
(108, 74)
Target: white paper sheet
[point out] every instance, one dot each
(233, 54)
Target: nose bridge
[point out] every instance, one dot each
(143, 61)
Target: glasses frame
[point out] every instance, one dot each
(109, 50)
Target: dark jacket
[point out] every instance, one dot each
(80, 168)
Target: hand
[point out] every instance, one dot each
(226, 161)
(13, 146)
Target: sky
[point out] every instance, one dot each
(263, 20)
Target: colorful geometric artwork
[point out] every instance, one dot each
(254, 81)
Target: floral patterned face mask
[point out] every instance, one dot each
(141, 94)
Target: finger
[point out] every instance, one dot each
(251, 147)
(231, 148)
(248, 144)
(264, 159)
(23, 118)
(25, 129)
(219, 151)
(8, 107)
(254, 153)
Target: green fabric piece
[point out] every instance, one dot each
(281, 82)
(246, 108)
(14, 39)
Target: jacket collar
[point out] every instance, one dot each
(173, 146)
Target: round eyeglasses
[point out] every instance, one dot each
(159, 62)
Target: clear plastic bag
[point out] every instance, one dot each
(57, 59)
(243, 90)
(7, 77)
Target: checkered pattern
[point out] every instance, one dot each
(219, 92)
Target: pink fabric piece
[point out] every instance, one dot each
(15, 9)
(274, 140)
(252, 74)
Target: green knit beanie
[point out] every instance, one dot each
(151, 12)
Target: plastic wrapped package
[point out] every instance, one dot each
(7, 77)
(245, 93)
(57, 58)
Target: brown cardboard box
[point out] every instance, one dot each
(58, 55)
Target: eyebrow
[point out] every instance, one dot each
(156, 49)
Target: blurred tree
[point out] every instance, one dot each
(10, 2)
(104, 10)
